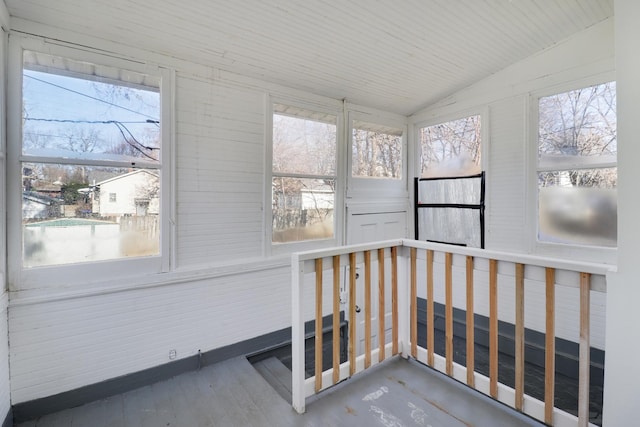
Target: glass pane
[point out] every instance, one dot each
(452, 148)
(71, 111)
(577, 125)
(377, 152)
(460, 191)
(304, 146)
(450, 225)
(578, 207)
(302, 209)
(73, 213)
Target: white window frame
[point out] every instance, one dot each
(89, 272)
(370, 187)
(563, 250)
(458, 115)
(338, 212)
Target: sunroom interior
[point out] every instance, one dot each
(435, 170)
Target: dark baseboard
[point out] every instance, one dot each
(8, 420)
(30, 410)
(567, 352)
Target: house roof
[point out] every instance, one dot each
(126, 175)
(393, 55)
(39, 198)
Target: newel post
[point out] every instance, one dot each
(404, 303)
(297, 334)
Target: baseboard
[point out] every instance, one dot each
(8, 420)
(567, 352)
(30, 410)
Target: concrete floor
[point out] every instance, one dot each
(396, 393)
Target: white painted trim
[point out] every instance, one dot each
(435, 119)
(573, 251)
(5, 18)
(175, 277)
(297, 334)
(271, 248)
(375, 188)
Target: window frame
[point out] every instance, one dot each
(373, 187)
(21, 278)
(270, 247)
(588, 253)
(482, 112)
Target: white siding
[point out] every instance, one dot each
(5, 397)
(220, 164)
(62, 345)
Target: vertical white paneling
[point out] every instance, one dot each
(621, 381)
(219, 146)
(5, 393)
(62, 345)
(506, 186)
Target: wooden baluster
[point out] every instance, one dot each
(381, 307)
(493, 328)
(336, 319)
(352, 313)
(367, 309)
(470, 325)
(449, 312)
(430, 310)
(412, 305)
(585, 349)
(550, 347)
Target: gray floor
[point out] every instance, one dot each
(396, 393)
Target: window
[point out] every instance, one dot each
(376, 151)
(90, 146)
(303, 179)
(451, 148)
(576, 168)
(450, 209)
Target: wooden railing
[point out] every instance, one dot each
(396, 273)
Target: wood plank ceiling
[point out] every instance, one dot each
(395, 55)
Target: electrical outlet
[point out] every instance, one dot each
(172, 354)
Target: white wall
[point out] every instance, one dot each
(622, 371)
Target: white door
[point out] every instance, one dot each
(371, 227)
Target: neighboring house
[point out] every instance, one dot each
(39, 206)
(134, 193)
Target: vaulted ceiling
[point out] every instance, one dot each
(395, 55)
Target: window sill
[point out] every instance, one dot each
(147, 281)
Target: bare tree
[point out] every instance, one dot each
(451, 148)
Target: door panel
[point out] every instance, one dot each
(373, 227)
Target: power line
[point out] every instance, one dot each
(89, 96)
(88, 121)
(121, 128)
